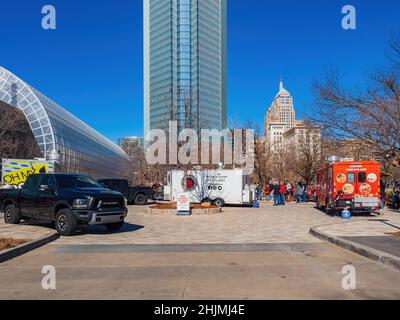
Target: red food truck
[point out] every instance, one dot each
(349, 184)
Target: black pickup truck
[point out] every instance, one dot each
(135, 195)
(67, 200)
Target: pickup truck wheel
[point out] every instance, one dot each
(114, 226)
(219, 202)
(140, 200)
(11, 216)
(65, 223)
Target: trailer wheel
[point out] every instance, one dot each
(206, 200)
(219, 202)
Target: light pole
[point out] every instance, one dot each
(55, 156)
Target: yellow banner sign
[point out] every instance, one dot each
(15, 172)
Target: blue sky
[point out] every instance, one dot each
(92, 63)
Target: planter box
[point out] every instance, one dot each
(172, 212)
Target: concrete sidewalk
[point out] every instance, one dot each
(372, 237)
(23, 231)
(34, 236)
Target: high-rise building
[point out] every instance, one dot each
(280, 117)
(138, 140)
(185, 64)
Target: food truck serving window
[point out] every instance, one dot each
(362, 177)
(351, 178)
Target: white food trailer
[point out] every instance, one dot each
(218, 186)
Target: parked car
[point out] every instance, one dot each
(135, 195)
(66, 199)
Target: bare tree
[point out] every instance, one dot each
(394, 50)
(262, 155)
(140, 171)
(306, 155)
(370, 115)
(184, 108)
(17, 140)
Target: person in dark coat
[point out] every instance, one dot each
(277, 194)
(382, 189)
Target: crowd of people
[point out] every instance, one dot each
(281, 192)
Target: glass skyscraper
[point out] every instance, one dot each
(185, 64)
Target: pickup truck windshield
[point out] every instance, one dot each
(76, 182)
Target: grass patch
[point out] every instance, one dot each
(6, 243)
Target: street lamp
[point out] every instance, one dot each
(54, 155)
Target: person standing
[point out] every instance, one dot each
(268, 193)
(305, 190)
(288, 189)
(382, 190)
(258, 193)
(282, 192)
(277, 194)
(299, 192)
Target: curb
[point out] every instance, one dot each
(29, 246)
(368, 252)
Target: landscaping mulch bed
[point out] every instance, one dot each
(397, 234)
(195, 208)
(6, 243)
(172, 205)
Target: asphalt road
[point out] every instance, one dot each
(225, 271)
(240, 254)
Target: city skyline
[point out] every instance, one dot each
(261, 46)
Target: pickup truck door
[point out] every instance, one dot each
(45, 198)
(124, 188)
(27, 196)
(120, 186)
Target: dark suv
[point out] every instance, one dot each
(68, 200)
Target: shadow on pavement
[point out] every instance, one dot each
(82, 230)
(100, 229)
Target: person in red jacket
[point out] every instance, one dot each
(283, 193)
(268, 192)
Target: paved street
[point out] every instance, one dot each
(239, 254)
(234, 225)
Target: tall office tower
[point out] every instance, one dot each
(280, 117)
(185, 64)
